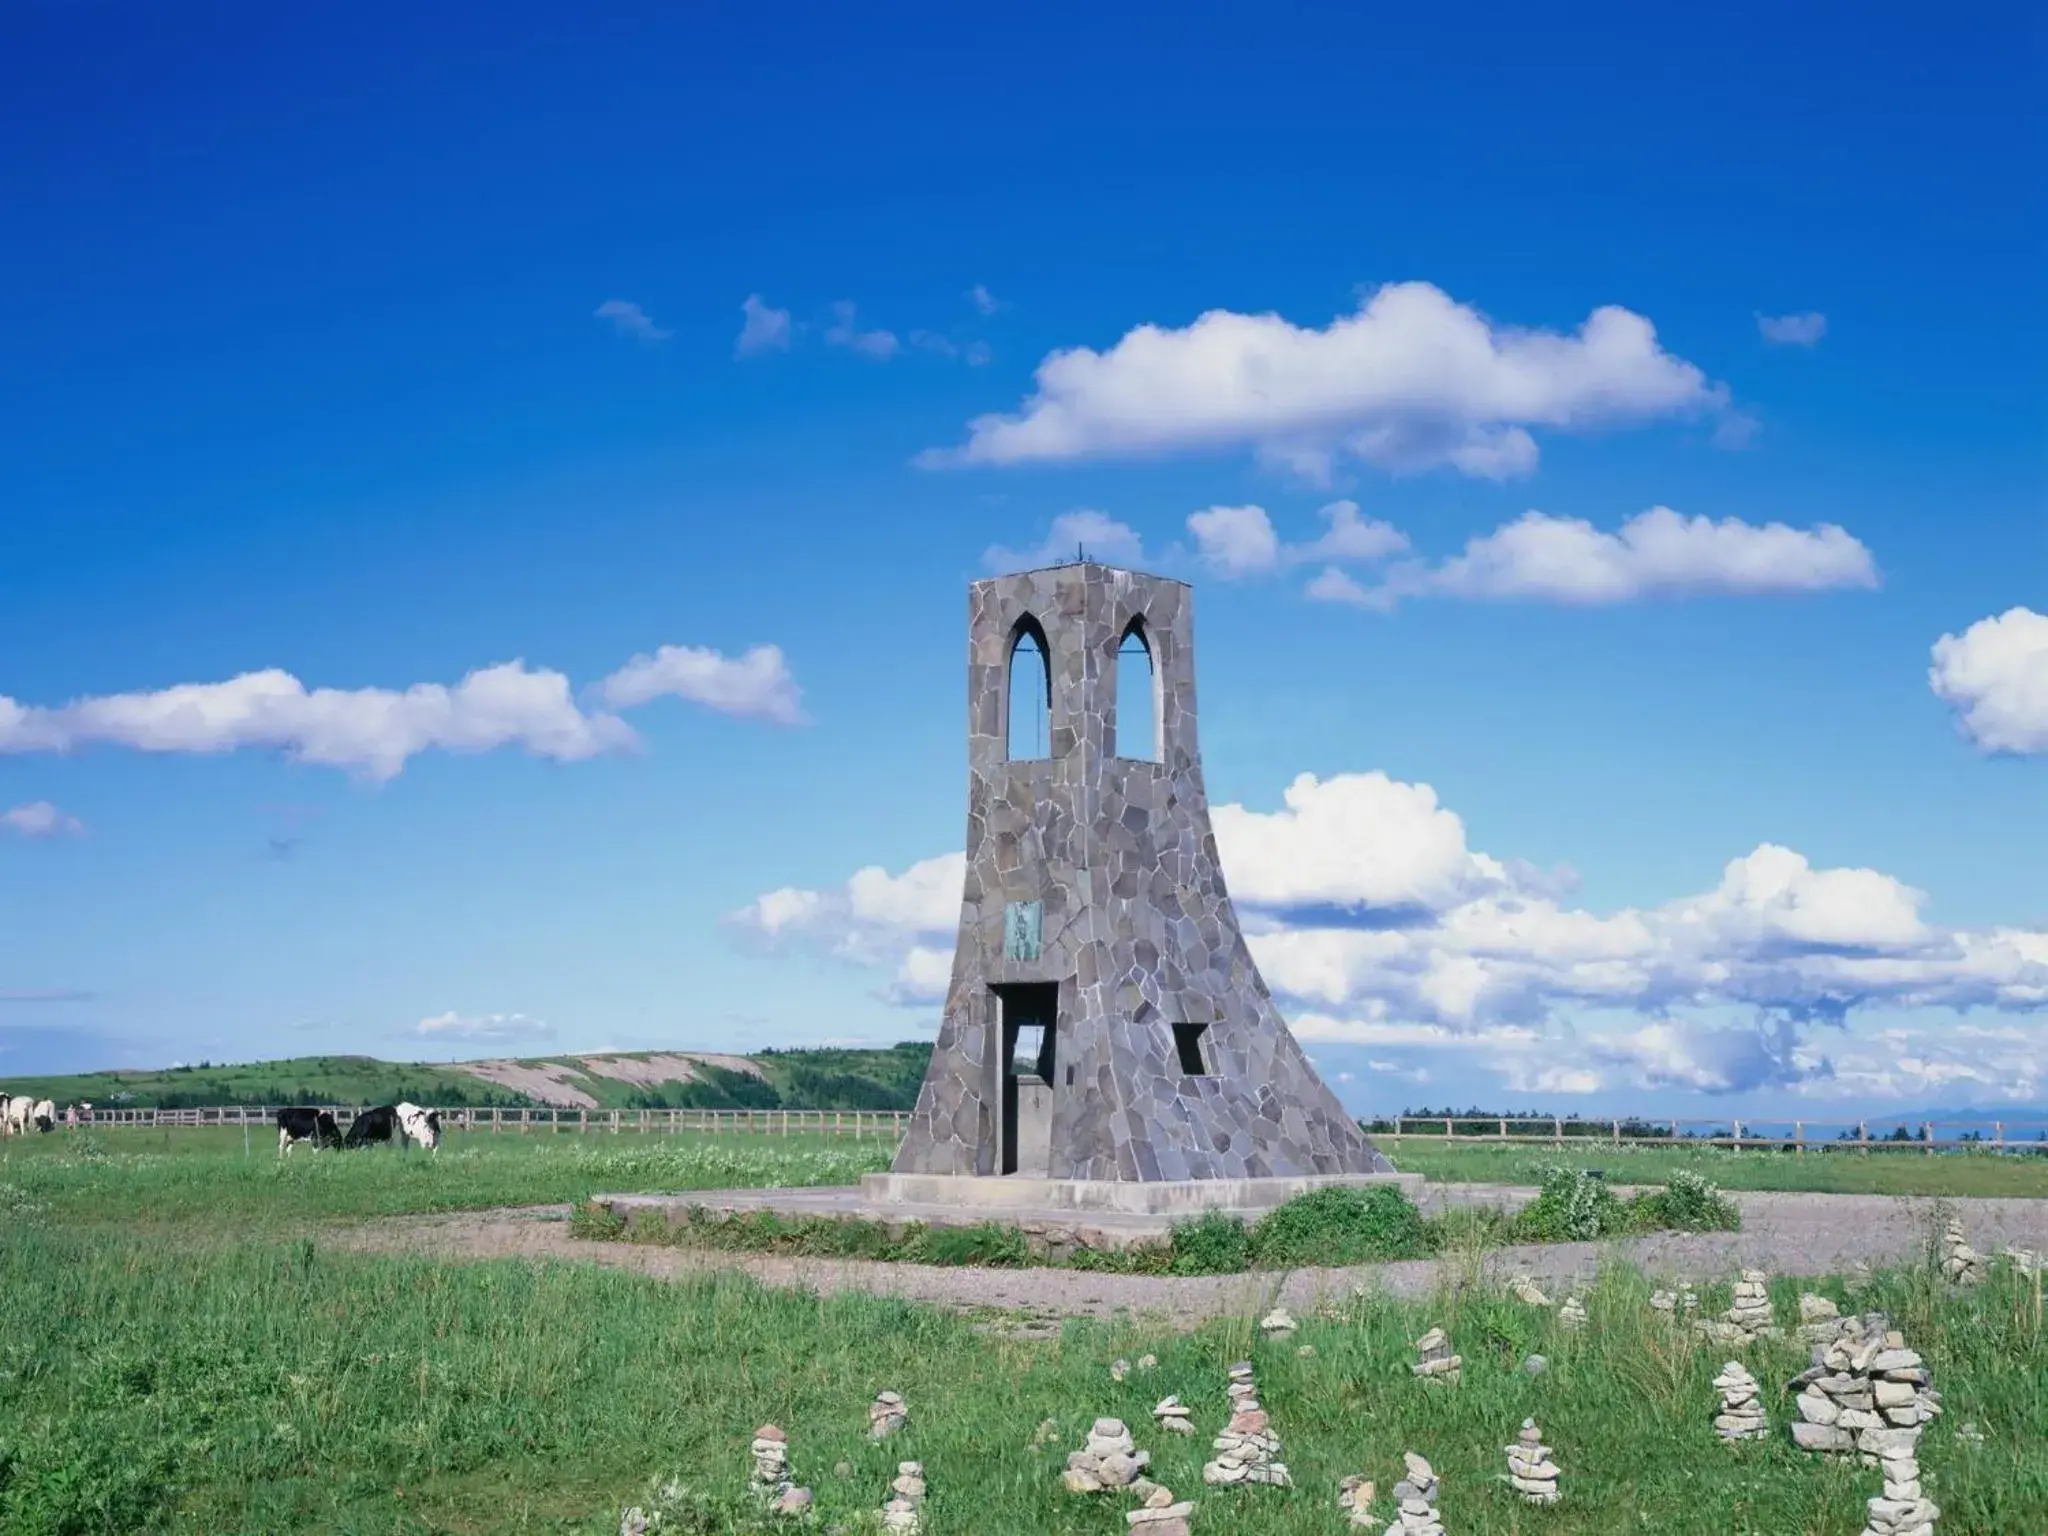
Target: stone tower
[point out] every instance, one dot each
(1105, 1020)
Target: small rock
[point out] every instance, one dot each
(1535, 1365)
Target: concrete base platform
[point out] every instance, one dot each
(1055, 1215)
(993, 1198)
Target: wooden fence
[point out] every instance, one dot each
(1804, 1136)
(548, 1121)
(1638, 1131)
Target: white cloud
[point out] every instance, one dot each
(630, 319)
(1379, 926)
(1995, 676)
(1654, 554)
(483, 1026)
(1801, 330)
(765, 329)
(1101, 536)
(758, 683)
(845, 332)
(983, 300)
(39, 818)
(1241, 541)
(972, 353)
(1412, 381)
(376, 730)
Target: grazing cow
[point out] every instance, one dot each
(420, 1125)
(372, 1126)
(20, 1112)
(6, 1129)
(314, 1125)
(45, 1116)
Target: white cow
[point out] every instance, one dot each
(20, 1111)
(45, 1115)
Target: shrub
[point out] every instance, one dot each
(1212, 1244)
(1341, 1225)
(1571, 1207)
(1686, 1203)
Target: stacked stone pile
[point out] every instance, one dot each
(1571, 1317)
(1960, 1263)
(904, 1511)
(1524, 1289)
(1247, 1452)
(771, 1460)
(1684, 1301)
(1531, 1471)
(2025, 1260)
(886, 1415)
(1416, 1495)
(1172, 1415)
(1161, 1515)
(1354, 1497)
(1242, 1391)
(1820, 1320)
(1110, 1460)
(1437, 1363)
(1748, 1318)
(1865, 1392)
(1278, 1323)
(1901, 1510)
(1742, 1410)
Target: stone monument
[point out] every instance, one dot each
(1107, 1039)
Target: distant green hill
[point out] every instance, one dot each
(797, 1079)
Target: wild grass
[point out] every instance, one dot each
(1884, 1172)
(274, 1385)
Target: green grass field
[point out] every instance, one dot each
(1900, 1172)
(181, 1350)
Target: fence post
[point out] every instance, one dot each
(1738, 1135)
(1863, 1138)
(1799, 1138)
(1928, 1129)
(1617, 1133)
(1998, 1134)
(1557, 1131)
(1449, 1134)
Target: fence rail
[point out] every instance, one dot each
(1554, 1131)
(1638, 1131)
(544, 1120)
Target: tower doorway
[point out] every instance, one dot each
(1029, 1012)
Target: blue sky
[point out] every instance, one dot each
(375, 348)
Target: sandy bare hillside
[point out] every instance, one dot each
(557, 1082)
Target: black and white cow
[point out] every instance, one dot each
(314, 1125)
(400, 1123)
(45, 1116)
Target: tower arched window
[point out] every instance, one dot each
(1137, 696)
(1030, 714)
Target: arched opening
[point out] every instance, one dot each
(1030, 722)
(1137, 696)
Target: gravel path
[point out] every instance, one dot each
(1797, 1234)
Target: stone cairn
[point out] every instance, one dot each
(886, 1415)
(1682, 1302)
(1160, 1515)
(1531, 1470)
(1864, 1392)
(1960, 1263)
(1278, 1323)
(1437, 1363)
(1354, 1497)
(1524, 1289)
(906, 1498)
(1172, 1415)
(1819, 1319)
(1571, 1317)
(1110, 1460)
(1416, 1495)
(1240, 1389)
(1901, 1510)
(1748, 1318)
(1247, 1451)
(1742, 1410)
(771, 1479)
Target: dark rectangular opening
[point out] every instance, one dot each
(1030, 1012)
(1187, 1040)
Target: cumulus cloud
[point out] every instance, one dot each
(1412, 381)
(483, 1026)
(764, 328)
(1097, 534)
(1801, 330)
(1995, 676)
(630, 319)
(1658, 553)
(374, 731)
(39, 818)
(1380, 926)
(845, 332)
(983, 300)
(758, 683)
(1241, 541)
